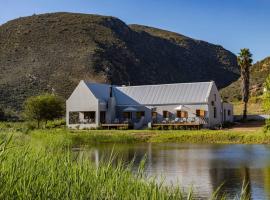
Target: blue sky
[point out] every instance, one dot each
(234, 24)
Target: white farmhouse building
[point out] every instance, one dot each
(92, 105)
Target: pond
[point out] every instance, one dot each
(204, 167)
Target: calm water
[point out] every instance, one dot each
(205, 167)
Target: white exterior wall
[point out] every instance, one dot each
(191, 109)
(82, 100)
(226, 108)
(214, 121)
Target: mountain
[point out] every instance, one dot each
(52, 52)
(258, 73)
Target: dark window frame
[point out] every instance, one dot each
(167, 115)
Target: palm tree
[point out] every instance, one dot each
(244, 60)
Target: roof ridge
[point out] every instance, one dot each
(164, 84)
(153, 85)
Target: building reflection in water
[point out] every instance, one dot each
(204, 167)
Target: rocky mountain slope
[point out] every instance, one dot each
(258, 73)
(52, 52)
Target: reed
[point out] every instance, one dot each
(49, 172)
(28, 173)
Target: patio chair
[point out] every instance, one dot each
(126, 121)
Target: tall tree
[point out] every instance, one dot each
(266, 101)
(266, 95)
(244, 60)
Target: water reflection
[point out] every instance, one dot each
(205, 167)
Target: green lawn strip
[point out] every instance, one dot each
(63, 136)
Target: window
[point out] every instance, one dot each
(139, 114)
(215, 112)
(229, 112)
(200, 113)
(154, 114)
(73, 117)
(165, 114)
(89, 117)
(182, 114)
(102, 117)
(215, 97)
(178, 114)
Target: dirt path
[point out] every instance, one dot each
(248, 126)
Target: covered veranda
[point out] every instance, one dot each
(184, 118)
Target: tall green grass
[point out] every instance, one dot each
(48, 170)
(27, 173)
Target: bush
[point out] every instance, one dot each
(43, 108)
(267, 125)
(60, 123)
(2, 114)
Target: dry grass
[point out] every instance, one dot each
(254, 106)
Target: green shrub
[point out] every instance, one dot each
(267, 125)
(60, 123)
(44, 107)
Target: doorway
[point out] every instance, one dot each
(102, 118)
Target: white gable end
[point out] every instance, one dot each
(82, 99)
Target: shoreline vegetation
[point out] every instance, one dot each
(46, 172)
(77, 137)
(40, 165)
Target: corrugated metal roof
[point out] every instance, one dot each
(163, 94)
(177, 93)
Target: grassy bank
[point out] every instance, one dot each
(38, 164)
(65, 137)
(200, 136)
(46, 171)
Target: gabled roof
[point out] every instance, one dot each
(99, 90)
(178, 93)
(164, 94)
